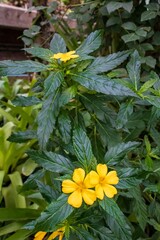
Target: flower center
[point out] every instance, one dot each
(81, 186)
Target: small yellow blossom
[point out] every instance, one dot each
(40, 235)
(65, 56)
(79, 189)
(59, 232)
(103, 181)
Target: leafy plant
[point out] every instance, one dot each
(92, 116)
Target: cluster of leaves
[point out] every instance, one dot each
(93, 113)
(14, 163)
(127, 25)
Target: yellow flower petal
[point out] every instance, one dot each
(112, 178)
(89, 196)
(71, 52)
(91, 179)
(75, 199)
(102, 170)
(61, 236)
(78, 175)
(109, 190)
(99, 191)
(68, 186)
(39, 235)
(53, 235)
(57, 55)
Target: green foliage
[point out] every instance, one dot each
(91, 113)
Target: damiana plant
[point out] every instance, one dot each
(98, 151)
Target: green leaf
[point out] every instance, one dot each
(39, 52)
(9, 228)
(103, 232)
(20, 137)
(101, 84)
(112, 6)
(17, 214)
(111, 208)
(67, 95)
(140, 32)
(30, 183)
(9, 67)
(139, 207)
(52, 82)
(47, 118)
(154, 100)
(54, 214)
(90, 44)
(22, 101)
(129, 182)
(126, 109)
(82, 233)
(134, 68)
(51, 161)
(47, 192)
(147, 85)
(2, 173)
(65, 127)
(57, 44)
(130, 37)
(115, 154)
(129, 26)
(19, 235)
(105, 64)
(82, 148)
(147, 15)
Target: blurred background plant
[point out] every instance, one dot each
(14, 163)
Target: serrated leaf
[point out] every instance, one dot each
(115, 154)
(51, 161)
(57, 44)
(129, 182)
(130, 37)
(134, 68)
(54, 214)
(101, 84)
(126, 109)
(82, 148)
(90, 44)
(52, 82)
(21, 136)
(22, 101)
(105, 64)
(65, 127)
(154, 100)
(147, 15)
(111, 208)
(8, 67)
(83, 234)
(103, 232)
(47, 192)
(140, 208)
(39, 52)
(47, 118)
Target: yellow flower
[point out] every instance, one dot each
(59, 232)
(39, 235)
(65, 56)
(79, 189)
(103, 181)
